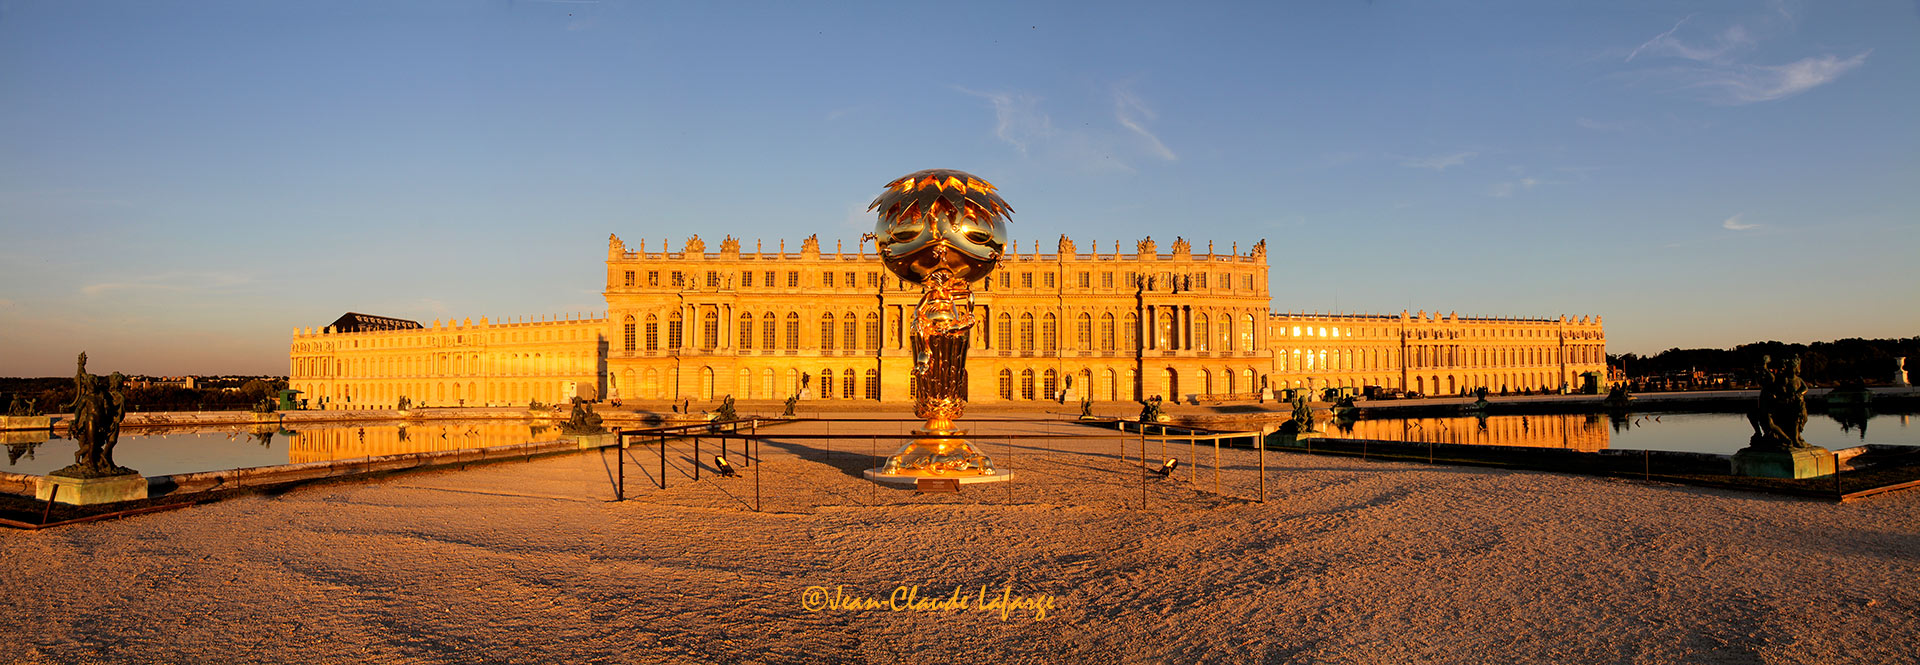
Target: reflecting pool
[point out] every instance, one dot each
(1722, 433)
(165, 451)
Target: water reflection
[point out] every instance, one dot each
(1574, 432)
(1721, 433)
(187, 449)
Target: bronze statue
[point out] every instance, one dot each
(726, 412)
(788, 411)
(1780, 414)
(943, 230)
(583, 420)
(98, 407)
(1302, 413)
(1150, 409)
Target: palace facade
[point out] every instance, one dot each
(760, 324)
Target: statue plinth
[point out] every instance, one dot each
(941, 454)
(25, 422)
(1795, 463)
(91, 491)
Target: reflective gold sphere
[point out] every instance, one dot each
(940, 220)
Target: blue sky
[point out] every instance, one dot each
(184, 183)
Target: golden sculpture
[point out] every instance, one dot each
(941, 229)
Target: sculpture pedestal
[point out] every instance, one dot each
(90, 491)
(942, 455)
(25, 422)
(590, 441)
(1796, 463)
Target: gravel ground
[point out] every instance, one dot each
(1349, 562)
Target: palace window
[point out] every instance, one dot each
(826, 384)
(709, 330)
(849, 326)
(673, 330)
(746, 279)
(653, 333)
(826, 329)
(746, 330)
(679, 279)
(1083, 331)
(1026, 384)
(826, 279)
(851, 279)
(1006, 384)
(769, 281)
(713, 279)
(1130, 332)
(873, 332)
(626, 329)
(1106, 331)
(653, 278)
(793, 279)
(1026, 336)
(1047, 280)
(873, 281)
(1200, 281)
(766, 336)
(1049, 329)
(873, 384)
(1086, 280)
(793, 331)
(1203, 331)
(1004, 329)
(846, 383)
(1049, 384)
(1026, 280)
(629, 279)
(1106, 280)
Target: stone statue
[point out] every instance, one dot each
(1302, 414)
(98, 407)
(583, 420)
(726, 412)
(788, 411)
(1086, 407)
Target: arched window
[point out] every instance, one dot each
(1130, 332)
(1203, 332)
(743, 384)
(1003, 326)
(709, 331)
(1049, 333)
(627, 333)
(793, 331)
(673, 330)
(793, 381)
(1246, 333)
(1131, 388)
(826, 383)
(772, 390)
(826, 331)
(653, 333)
(847, 384)
(849, 333)
(706, 383)
(1109, 385)
(1026, 334)
(873, 384)
(1006, 384)
(1026, 384)
(1049, 384)
(1226, 332)
(652, 388)
(767, 339)
(1083, 332)
(746, 331)
(873, 334)
(1106, 331)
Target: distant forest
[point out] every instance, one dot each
(1823, 363)
(51, 394)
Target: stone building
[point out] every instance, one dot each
(769, 323)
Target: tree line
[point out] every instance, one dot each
(55, 394)
(1869, 361)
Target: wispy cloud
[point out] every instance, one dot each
(1506, 189)
(1720, 67)
(1438, 162)
(1600, 125)
(173, 281)
(1734, 224)
(1133, 114)
(1017, 117)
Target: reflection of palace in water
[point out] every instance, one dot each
(1113, 325)
(319, 445)
(1584, 432)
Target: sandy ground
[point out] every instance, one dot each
(1349, 562)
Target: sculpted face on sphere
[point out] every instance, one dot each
(940, 219)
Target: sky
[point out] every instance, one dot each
(182, 184)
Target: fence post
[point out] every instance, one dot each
(663, 460)
(1143, 464)
(1193, 459)
(620, 454)
(1261, 443)
(1216, 466)
(696, 459)
(756, 474)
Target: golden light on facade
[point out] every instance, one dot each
(941, 229)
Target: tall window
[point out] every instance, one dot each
(826, 330)
(1026, 280)
(1106, 280)
(1086, 280)
(746, 331)
(653, 333)
(793, 331)
(1226, 332)
(766, 337)
(769, 281)
(653, 278)
(849, 327)
(793, 279)
(629, 279)
(679, 279)
(826, 384)
(1204, 332)
(1006, 384)
(1083, 331)
(1026, 334)
(1048, 280)
(673, 331)
(709, 330)
(1049, 385)
(1003, 326)
(1246, 333)
(1049, 333)
(1106, 331)
(627, 334)
(873, 333)
(826, 279)
(746, 279)
(873, 384)
(1026, 384)
(847, 385)
(713, 279)
(1130, 332)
